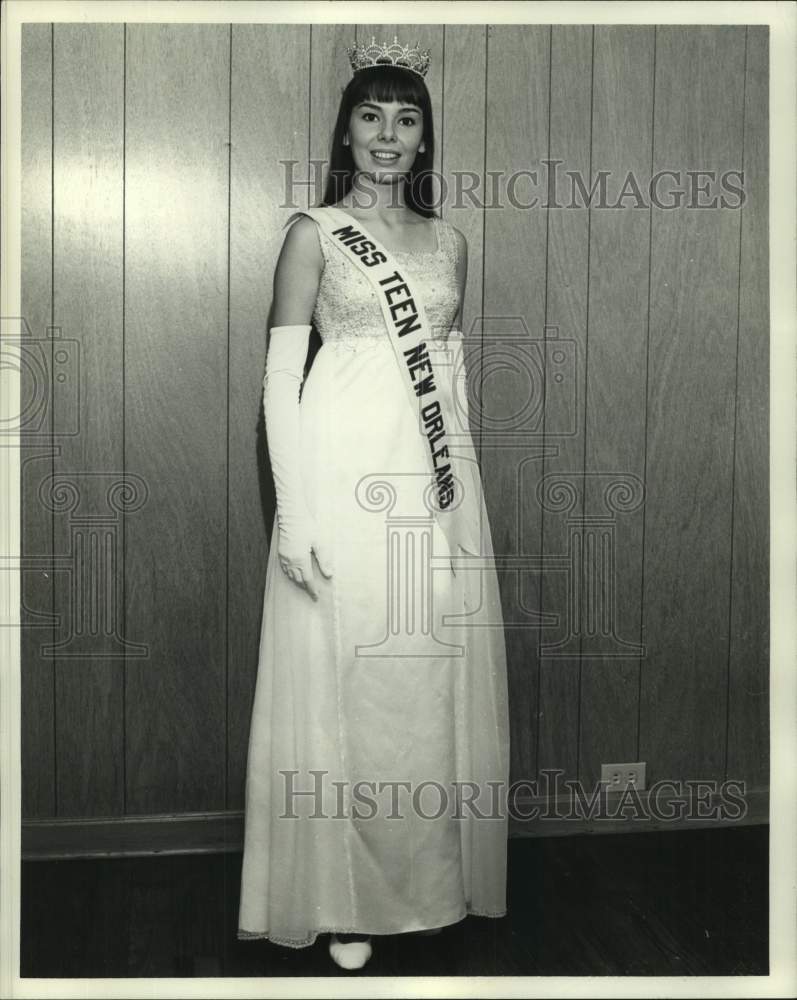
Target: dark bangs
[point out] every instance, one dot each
(388, 83)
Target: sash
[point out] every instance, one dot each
(409, 332)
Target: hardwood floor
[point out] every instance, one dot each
(671, 903)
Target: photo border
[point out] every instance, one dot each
(781, 18)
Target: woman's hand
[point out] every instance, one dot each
(295, 551)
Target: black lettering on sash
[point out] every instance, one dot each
(434, 427)
(377, 257)
(445, 486)
(418, 360)
(390, 292)
(347, 234)
(350, 236)
(403, 326)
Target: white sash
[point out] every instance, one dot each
(409, 330)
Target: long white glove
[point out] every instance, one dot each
(287, 352)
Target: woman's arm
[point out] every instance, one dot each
(297, 275)
(295, 289)
(462, 275)
(459, 369)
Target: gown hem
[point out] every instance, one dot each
(244, 935)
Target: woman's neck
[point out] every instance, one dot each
(383, 200)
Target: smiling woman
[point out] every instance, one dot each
(374, 674)
(386, 124)
(384, 119)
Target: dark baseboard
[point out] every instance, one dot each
(646, 811)
(219, 832)
(131, 836)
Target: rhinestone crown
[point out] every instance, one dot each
(405, 56)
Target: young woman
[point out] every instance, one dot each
(379, 744)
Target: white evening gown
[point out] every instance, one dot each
(413, 858)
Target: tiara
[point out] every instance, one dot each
(404, 56)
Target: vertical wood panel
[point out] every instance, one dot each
(190, 417)
(462, 141)
(566, 310)
(615, 399)
(692, 371)
(270, 122)
(176, 382)
(88, 199)
(329, 74)
(748, 724)
(37, 724)
(511, 370)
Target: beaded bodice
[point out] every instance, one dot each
(347, 308)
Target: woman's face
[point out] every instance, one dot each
(385, 138)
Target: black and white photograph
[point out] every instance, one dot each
(397, 434)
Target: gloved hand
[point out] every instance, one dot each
(298, 534)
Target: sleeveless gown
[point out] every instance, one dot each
(378, 760)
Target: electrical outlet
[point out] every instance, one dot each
(619, 777)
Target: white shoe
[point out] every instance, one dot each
(351, 955)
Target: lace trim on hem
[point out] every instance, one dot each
(244, 935)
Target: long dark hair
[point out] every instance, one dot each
(384, 83)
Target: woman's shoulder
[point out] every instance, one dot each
(459, 236)
(301, 226)
(302, 237)
(455, 238)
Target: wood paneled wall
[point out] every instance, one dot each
(154, 178)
